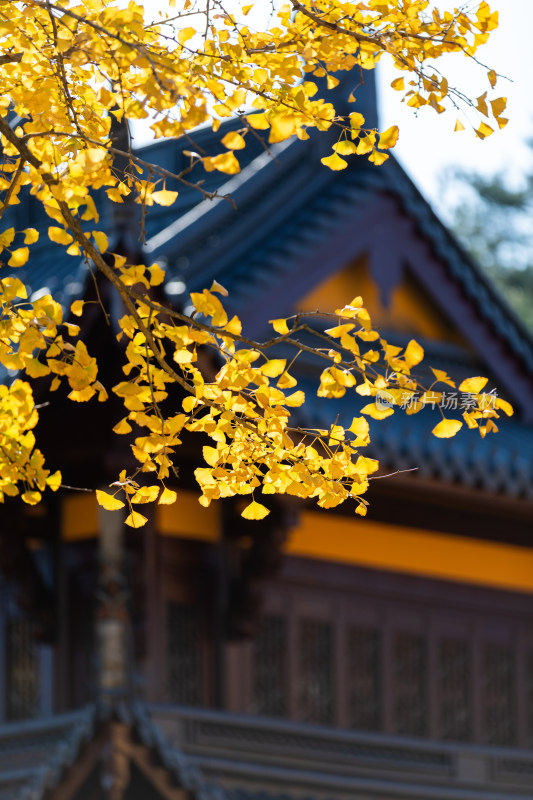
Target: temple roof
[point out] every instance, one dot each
(191, 754)
(34, 753)
(295, 224)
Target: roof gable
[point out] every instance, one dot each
(298, 225)
(405, 308)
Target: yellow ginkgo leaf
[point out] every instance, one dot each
(255, 511)
(211, 455)
(505, 406)
(167, 497)
(225, 162)
(77, 308)
(31, 235)
(442, 376)
(359, 427)
(377, 158)
(101, 240)
(280, 326)
(498, 105)
(459, 125)
(365, 145)
(122, 427)
(414, 354)
(483, 131)
(281, 128)
(470, 420)
(345, 147)
(356, 120)
(217, 287)
(59, 235)
(82, 395)
(54, 481)
(447, 428)
(334, 162)
(473, 385)
(36, 369)
(286, 381)
(31, 498)
(185, 34)
(135, 520)
(157, 275)
(7, 236)
(274, 367)
(164, 197)
(108, 501)
(258, 122)
(295, 399)
(377, 412)
(336, 435)
(19, 257)
(388, 138)
(233, 141)
(92, 158)
(189, 403)
(234, 326)
(146, 494)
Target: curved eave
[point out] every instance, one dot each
(298, 223)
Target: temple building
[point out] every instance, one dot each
(313, 655)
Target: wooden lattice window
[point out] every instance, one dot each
(498, 707)
(410, 685)
(364, 676)
(454, 665)
(184, 654)
(315, 683)
(22, 670)
(381, 660)
(270, 667)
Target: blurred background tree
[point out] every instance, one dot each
(494, 222)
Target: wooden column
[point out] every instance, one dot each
(111, 615)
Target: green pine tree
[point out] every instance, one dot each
(494, 222)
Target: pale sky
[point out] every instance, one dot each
(428, 145)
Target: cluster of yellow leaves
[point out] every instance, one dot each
(22, 463)
(66, 70)
(34, 338)
(245, 409)
(32, 329)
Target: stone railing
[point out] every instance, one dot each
(279, 757)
